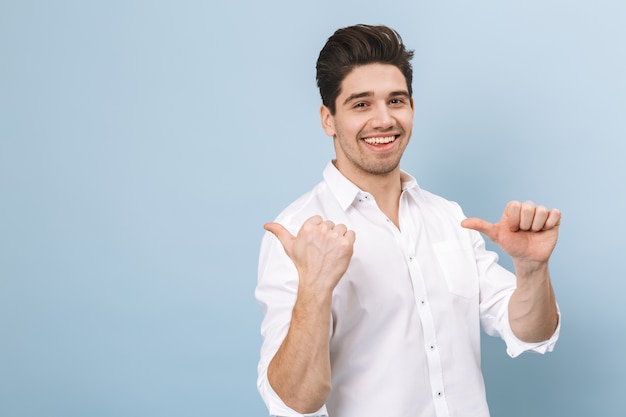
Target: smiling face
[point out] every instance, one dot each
(372, 123)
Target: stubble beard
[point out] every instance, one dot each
(373, 166)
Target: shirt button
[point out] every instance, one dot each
(439, 394)
(422, 302)
(431, 347)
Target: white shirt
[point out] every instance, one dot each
(406, 316)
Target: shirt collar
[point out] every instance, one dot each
(346, 192)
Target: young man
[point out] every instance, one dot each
(374, 289)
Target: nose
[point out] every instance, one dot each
(382, 117)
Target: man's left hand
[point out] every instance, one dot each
(527, 232)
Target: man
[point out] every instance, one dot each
(373, 289)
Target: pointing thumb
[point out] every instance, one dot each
(283, 235)
(480, 225)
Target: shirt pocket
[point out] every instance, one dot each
(458, 266)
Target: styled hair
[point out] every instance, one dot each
(355, 46)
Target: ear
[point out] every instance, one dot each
(328, 121)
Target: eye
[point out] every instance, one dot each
(360, 105)
(396, 101)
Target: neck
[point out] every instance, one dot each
(386, 190)
(387, 196)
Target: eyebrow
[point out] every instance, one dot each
(364, 94)
(356, 96)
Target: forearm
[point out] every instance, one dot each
(300, 371)
(533, 313)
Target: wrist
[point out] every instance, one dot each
(528, 269)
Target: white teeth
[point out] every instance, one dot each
(378, 141)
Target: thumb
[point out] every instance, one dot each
(480, 225)
(283, 235)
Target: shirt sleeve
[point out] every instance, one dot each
(515, 346)
(276, 293)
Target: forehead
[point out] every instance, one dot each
(374, 78)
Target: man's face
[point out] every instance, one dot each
(372, 123)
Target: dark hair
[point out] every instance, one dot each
(358, 45)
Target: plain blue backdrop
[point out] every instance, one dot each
(143, 144)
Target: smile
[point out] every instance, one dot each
(379, 140)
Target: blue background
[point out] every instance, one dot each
(144, 143)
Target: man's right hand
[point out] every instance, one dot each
(321, 251)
